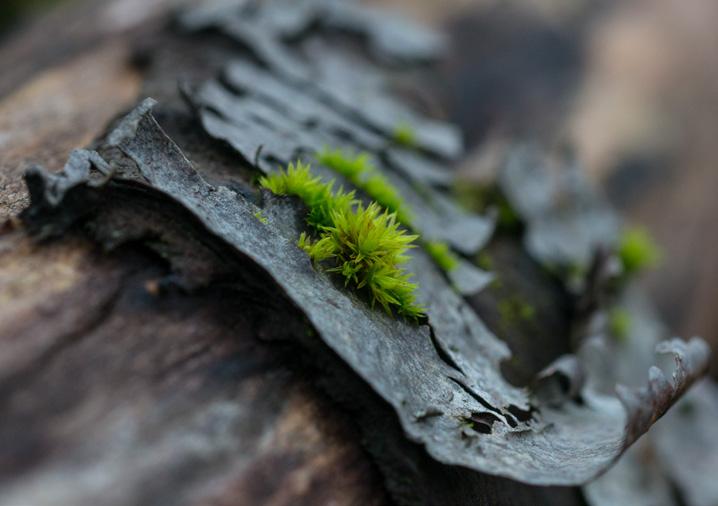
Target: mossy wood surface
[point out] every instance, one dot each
(171, 345)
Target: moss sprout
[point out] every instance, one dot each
(619, 323)
(363, 244)
(637, 251)
(515, 309)
(481, 197)
(261, 217)
(359, 170)
(442, 255)
(404, 135)
(484, 261)
(317, 195)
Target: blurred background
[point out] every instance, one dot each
(630, 85)
(14, 12)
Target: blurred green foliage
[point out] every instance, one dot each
(619, 323)
(638, 251)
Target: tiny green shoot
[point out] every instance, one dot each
(480, 197)
(515, 309)
(637, 251)
(619, 323)
(484, 261)
(263, 219)
(363, 244)
(442, 255)
(404, 135)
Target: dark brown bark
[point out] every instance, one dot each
(117, 388)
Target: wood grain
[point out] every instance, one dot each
(112, 394)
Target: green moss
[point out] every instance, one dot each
(359, 170)
(364, 245)
(508, 219)
(479, 198)
(405, 135)
(484, 261)
(619, 323)
(261, 217)
(319, 197)
(515, 309)
(637, 251)
(442, 255)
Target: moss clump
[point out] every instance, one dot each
(359, 170)
(479, 198)
(405, 135)
(261, 217)
(442, 255)
(619, 324)
(507, 219)
(637, 251)
(318, 196)
(365, 245)
(515, 309)
(362, 174)
(484, 261)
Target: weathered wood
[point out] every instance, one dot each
(111, 393)
(115, 393)
(121, 387)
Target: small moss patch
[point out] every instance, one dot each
(442, 255)
(358, 169)
(363, 244)
(485, 261)
(479, 198)
(637, 251)
(515, 309)
(405, 135)
(619, 324)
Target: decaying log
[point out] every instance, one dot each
(148, 359)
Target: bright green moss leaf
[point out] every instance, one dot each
(637, 251)
(261, 217)
(405, 135)
(442, 255)
(619, 323)
(515, 309)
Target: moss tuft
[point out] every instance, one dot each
(480, 197)
(405, 135)
(261, 217)
(484, 261)
(442, 255)
(515, 309)
(637, 251)
(619, 323)
(364, 245)
(359, 170)
(318, 196)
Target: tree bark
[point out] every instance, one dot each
(116, 387)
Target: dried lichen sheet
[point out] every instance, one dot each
(442, 379)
